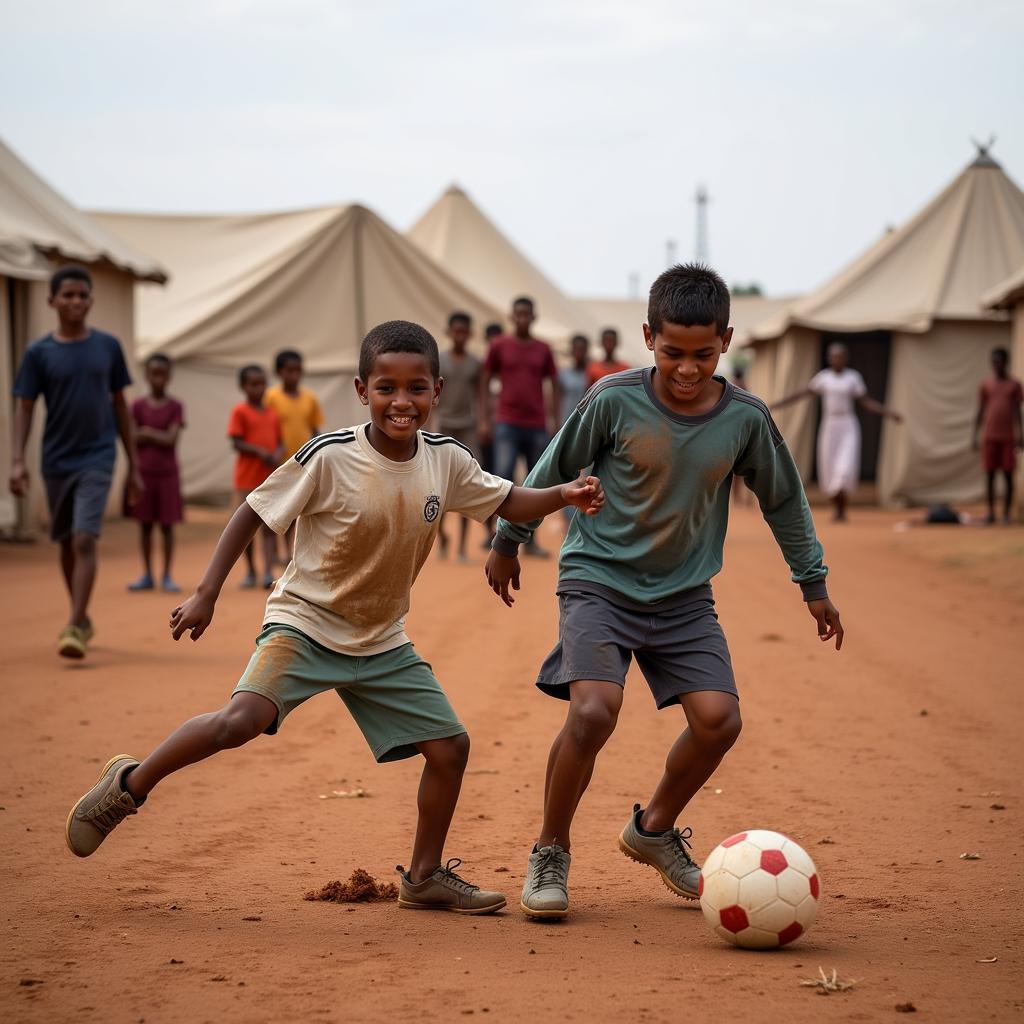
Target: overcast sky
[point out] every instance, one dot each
(582, 127)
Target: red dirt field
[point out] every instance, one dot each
(887, 762)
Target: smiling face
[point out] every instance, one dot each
(399, 391)
(685, 359)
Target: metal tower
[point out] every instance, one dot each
(702, 224)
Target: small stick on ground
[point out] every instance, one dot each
(828, 983)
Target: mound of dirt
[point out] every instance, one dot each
(361, 887)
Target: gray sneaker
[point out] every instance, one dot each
(667, 852)
(445, 890)
(546, 891)
(102, 809)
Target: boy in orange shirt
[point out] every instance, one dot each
(603, 367)
(255, 432)
(300, 415)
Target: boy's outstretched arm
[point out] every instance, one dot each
(194, 615)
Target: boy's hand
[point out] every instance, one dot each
(19, 478)
(135, 486)
(501, 570)
(584, 493)
(193, 616)
(827, 616)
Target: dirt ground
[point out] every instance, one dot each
(887, 762)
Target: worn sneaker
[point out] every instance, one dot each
(104, 807)
(546, 891)
(445, 890)
(72, 642)
(667, 852)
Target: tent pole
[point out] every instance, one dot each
(357, 247)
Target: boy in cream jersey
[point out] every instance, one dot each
(367, 501)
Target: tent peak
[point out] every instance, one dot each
(455, 189)
(984, 157)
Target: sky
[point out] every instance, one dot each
(581, 127)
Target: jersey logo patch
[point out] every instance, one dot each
(431, 508)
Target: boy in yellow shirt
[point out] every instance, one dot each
(299, 412)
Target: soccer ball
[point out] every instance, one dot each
(759, 890)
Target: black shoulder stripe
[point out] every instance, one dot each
(313, 441)
(752, 400)
(438, 439)
(307, 453)
(622, 379)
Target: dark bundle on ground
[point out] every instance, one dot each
(362, 887)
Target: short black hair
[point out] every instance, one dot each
(158, 357)
(609, 330)
(689, 294)
(493, 330)
(1001, 350)
(398, 336)
(72, 272)
(459, 317)
(579, 337)
(246, 370)
(522, 300)
(286, 355)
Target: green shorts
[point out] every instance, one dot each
(394, 697)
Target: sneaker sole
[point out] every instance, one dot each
(640, 859)
(409, 905)
(70, 648)
(67, 823)
(543, 915)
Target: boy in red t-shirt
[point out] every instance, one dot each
(999, 411)
(255, 432)
(604, 367)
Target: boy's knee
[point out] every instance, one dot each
(448, 754)
(236, 725)
(83, 543)
(721, 728)
(592, 721)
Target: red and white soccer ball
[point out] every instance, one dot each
(759, 890)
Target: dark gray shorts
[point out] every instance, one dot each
(78, 501)
(679, 650)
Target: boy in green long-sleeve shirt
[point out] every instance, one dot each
(634, 582)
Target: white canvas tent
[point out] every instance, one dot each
(459, 236)
(914, 296)
(245, 286)
(40, 230)
(627, 316)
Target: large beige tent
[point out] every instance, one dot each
(910, 308)
(628, 316)
(459, 236)
(245, 286)
(39, 230)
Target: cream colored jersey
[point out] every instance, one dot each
(364, 527)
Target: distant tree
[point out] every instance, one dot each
(740, 290)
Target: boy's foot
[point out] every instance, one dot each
(444, 890)
(72, 642)
(667, 852)
(546, 891)
(268, 581)
(169, 586)
(144, 582)
(249, 581)
(104, 807)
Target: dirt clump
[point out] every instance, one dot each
(361, 887)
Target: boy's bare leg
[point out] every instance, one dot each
(713, 723)
(991, 493)
(463, 534)
(67, 564)
(83, 575)
(1008, 496)
(243, 718)
(168, 537)
(593, 711)
(438, 794)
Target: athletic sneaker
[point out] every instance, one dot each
(445, 890)
(102, 809)
(546, 891)
(667, 852)
(144, 582)
(72, 642)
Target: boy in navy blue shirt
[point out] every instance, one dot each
(81, 373)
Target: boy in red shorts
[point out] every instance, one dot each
(999, 418)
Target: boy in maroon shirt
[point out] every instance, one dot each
(521, 363)
(999, 409)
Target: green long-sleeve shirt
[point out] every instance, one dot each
(667, 483)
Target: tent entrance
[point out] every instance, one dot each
(869, 353)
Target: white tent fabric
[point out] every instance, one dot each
(245, 286)
(923, 282)
(459, 236)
